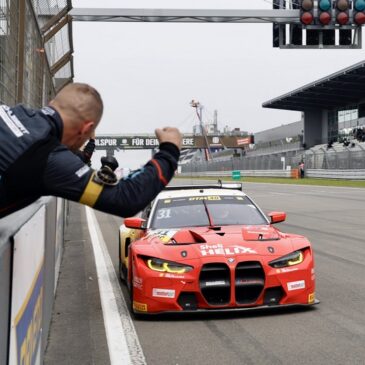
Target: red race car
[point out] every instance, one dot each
(210, 248)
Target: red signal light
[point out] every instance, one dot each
(306, 11)
(359, 12)
(325, 18)
(342, 18)
(306, 18)
(359, 18)
(342, 9)
(325, 14)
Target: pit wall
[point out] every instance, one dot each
(31, 243)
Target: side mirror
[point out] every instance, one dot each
(277, 217)
(135, 223)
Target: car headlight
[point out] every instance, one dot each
(292, 259)
(167, 266)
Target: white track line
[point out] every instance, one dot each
(123, 344)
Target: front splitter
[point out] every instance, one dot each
(225, 310)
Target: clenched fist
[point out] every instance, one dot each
(169, 134)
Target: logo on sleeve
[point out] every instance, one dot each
(11, 120)
(48, 111)
(82, 171)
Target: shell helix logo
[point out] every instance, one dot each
(219, 249)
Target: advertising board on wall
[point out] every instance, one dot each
(27, 292)
(151, 142)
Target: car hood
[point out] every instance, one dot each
(227, 241)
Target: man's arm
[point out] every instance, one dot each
(67, 177)
(133, 193)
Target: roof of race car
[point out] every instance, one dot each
(168, 194)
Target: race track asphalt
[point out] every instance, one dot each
(332, 332)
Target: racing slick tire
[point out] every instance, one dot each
(123, 273)
(122, 268)
(135, 314)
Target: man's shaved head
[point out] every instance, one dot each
(80, 107)
(79, 102)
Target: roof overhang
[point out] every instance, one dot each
(341, 89)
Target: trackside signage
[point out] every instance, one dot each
(27, 292)
(150, 142)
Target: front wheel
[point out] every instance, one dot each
(136, 315)
(122, 273)
(122, 267)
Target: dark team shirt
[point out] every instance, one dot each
(24, 132)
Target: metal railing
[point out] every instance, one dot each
(320, 157)
(265, 162)
(9, 30)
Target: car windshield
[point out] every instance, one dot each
(192, 212)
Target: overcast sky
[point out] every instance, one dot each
(147, 73)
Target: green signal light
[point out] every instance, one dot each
(359, 5)
(325, 5)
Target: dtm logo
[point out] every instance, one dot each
(219, 249)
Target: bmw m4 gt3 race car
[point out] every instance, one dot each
(205, 248)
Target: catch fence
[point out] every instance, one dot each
(331, 159)
(35, 50)
(319, 157)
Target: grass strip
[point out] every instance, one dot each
(283, 180)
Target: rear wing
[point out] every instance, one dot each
(219, 185)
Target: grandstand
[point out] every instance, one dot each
(331, 134)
